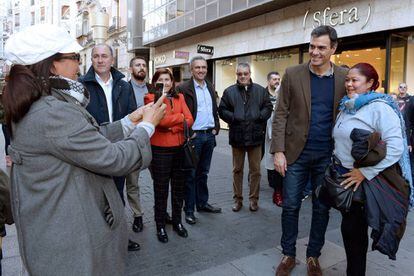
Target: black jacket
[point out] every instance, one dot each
(386, 195)
(188, 90)
(246, 110)
(406, 106)
(123, 99)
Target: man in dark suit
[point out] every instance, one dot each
(111, 98)
(302, 142)
(200, 98)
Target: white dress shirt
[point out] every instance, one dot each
(107, 88)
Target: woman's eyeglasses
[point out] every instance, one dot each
(72, 57)
(403, 87)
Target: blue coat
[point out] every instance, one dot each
(123, 99)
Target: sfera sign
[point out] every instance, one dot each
(204, 49)
(335, 17)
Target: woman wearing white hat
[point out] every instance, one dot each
(69, 216)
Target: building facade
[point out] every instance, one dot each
(272, 35)
(112, 16)
(16, 15)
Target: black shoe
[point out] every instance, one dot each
(181, 231)
(168, 219)
(208, 209)
(162, 235)
(133, 246)
(137, 225)
(190, 218)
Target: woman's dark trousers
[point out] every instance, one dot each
(166, 168)
(354, 230)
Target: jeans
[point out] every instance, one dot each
(196, 183)
(309, 164)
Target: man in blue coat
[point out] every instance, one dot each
(111, 98)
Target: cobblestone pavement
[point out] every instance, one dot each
(229, 243)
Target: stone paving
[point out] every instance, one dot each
(229, 243)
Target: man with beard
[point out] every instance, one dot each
(138, 69)
(274, 178)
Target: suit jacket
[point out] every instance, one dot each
(291, 121)
(188, 90)
(123, 99)
(149, 88)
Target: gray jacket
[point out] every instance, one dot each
(60, 188)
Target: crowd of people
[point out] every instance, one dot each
(76, 142)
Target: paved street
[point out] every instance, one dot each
(242, 243)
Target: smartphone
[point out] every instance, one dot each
(159, 88)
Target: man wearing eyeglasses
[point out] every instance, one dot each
(246, 106)
(406, 104)
(111, 99)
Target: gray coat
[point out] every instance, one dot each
(60, 189)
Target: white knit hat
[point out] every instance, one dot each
(38, 42)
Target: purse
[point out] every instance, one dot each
(332, 193)
(190, 156)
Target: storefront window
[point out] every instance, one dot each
(374, 56)
(409, 73)
(261, 65)
(397, 62)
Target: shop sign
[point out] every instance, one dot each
(204, 49)
(158, 60)
(336, 17)
(181, 54)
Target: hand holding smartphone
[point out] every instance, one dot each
(159, 89)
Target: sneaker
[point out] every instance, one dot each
(277, 198)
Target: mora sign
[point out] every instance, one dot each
(338, 17)
(204, 49)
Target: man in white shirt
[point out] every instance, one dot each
(111, 98)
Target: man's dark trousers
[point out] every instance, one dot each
(196, 186)
(309, 164)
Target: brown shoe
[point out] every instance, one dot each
(286, 265)
(314, 269)
(237, 206)
(253, 206)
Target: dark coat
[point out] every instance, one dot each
(188, 90)
(246, 111)
(291, 121)
(123, 99)
(386, 195)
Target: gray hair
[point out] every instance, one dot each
(243, 65)
(195, 58)
(105, 45)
